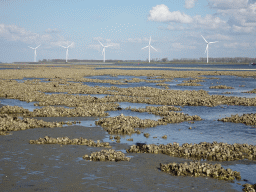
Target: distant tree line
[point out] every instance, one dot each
(245, 60)
(217, 60)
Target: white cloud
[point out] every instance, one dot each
(49, 30)
(219, 37)
(161, 13)
(180, 46)
(241, 15)
(242, 29)
(228, 4)
(15, 33)
(236, 45)
(176, 27)
(244, 44)
(230, 45)
(210, 22)
(190, 3)
(138, 40)
(19, 34)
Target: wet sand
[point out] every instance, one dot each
(26, 167)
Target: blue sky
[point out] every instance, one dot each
(175, 27)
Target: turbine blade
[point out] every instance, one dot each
(204, 39)
(70, 45)
(101, 43)
(38, 46)
(144, 47)
(108, 45)
(153, 47)
(149, 40)
(31, 47)
(63, 47)
(214, 42)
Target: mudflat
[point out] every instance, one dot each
(59, 167)
(29, 167)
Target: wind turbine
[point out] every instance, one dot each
(149, 49)
(35, 51)
(103, 51)
(67, 51)
(207, 46)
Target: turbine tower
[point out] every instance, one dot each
(149, 49)
(207, 46)
(103, 51)
(67, 51)
(35, 51)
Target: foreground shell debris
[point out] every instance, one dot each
(249, 188)
(107, 155)
(248, 119)
(200, 169)
(67, 141)
(210, 151)
(126, 124)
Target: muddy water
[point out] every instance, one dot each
(26, 167)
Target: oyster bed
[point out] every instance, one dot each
(72, 106)
(67, 141)
(221, 87)
(107, 155)
(197, 169)
(210, 151)
(126, 124)
(248, 119)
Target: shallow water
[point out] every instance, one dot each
(14, 102)
(183, 67)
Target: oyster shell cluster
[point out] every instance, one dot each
(35, 91)
(200, 169)
(90, 109)
(10, 123)
(248, 119)
(193, 80)
(6, 109)
(4, 133)
(252, 91)
(67, 141)
(204, 150)
(189, 84)
(107, 155)
(221, 87)
(249, 188)
(161, 110)
(125, 124)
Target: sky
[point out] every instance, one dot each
(175, 27)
